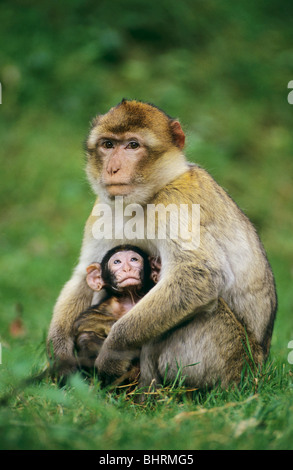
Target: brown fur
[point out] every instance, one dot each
(231, 346)
(90, 330)
(218, 338)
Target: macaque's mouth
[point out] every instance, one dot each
(117, 189)
(132, 280)
(116, 184)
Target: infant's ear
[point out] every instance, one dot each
(155, 264)
(94, 276)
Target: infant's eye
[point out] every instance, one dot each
(134, 259)
(133, 145)
(117, 261)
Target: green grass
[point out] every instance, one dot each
(224, 72)
(255, 415)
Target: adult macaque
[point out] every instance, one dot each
(126, 274)
(136, 151)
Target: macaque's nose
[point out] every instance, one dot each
(126, 267)
(114, 165)
(113, 170)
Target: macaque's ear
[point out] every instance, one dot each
(178, 134)
(94, 276)
(155, 264)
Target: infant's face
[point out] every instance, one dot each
(127, 267)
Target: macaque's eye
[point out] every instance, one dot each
(134, 259)
(133, 145)
(116, 261)
(108, 144)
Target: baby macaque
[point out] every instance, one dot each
(126, 274)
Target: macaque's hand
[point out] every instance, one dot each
(61, 369)
(112, 364)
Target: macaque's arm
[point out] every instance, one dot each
(183, 290)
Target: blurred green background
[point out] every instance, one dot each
(222, 68)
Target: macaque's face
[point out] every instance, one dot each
(132, 149)
(121, 156)
(127, 267)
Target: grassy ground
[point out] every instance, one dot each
(225, 76)
(256, 415)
